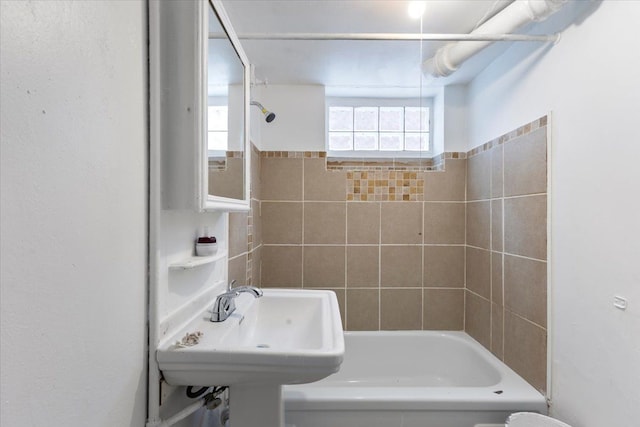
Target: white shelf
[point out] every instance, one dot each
(197, 261)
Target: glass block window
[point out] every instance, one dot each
(378, 128)
(217, 127)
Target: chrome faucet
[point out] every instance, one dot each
(225, 303)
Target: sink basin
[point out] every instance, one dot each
(284, 337)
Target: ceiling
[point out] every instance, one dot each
(391, 68)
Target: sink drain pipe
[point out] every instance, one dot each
(200, 403)
(210, 401)
(519, 13)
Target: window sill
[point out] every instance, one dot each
(379, 155)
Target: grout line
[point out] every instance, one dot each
(503, 251)
(464, 299)
(380, 266)
(517, 196)
(422, 273)
(478, 247)
(524, 257)
(521, 196)
(478, 295)
(525, 319)
(370, 245)
(490, 253)
(346, 263)
(302, 236)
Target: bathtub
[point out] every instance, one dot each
(412, 379)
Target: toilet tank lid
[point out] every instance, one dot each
(531, 419)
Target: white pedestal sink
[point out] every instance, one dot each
(284, 337)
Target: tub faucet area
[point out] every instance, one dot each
(225, 304)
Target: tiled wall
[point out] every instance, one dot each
(226, 175)
(245, 234)
(466, 251)
(506, 253)
(392, 264)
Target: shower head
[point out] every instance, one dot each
(268, 115)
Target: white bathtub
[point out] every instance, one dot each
(412, 379)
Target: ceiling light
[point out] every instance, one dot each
(416, 9)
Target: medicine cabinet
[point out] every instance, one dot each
(201, 96)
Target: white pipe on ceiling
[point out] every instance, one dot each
(519, 13)
(390, 36)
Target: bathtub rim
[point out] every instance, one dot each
(517, 394)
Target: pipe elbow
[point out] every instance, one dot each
(539, 10)
(440, 64)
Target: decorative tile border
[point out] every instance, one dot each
(235, 154)
(294, 154)
(384, 186)
(357, 164)
(352, 164)
(383, 179)
(522, 130)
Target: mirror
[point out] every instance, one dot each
(226, 114)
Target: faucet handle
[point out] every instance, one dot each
(230, 285)
(224, 306)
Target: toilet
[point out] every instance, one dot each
(531, 419)
(528, 419)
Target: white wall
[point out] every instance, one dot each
(456, 132)
(590, 82)
(300, 118)
(299, 123)
(73, 213)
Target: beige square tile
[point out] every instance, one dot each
(363, 309)
(448, 185)
(525, 226)
(401, 222)
(401, 266)
(444, 223)
(479, 271)
(363, 222)
(363, 266)
(325, 222)
(237, 233)
(257, 223)
(496, 225)
(281, 178)
(525, 350)
(479, 176)
(525, 288)
(400, 309)
(496, 278)
(320, 184)
(525, 164)
(256, 179)
(238, 270)
(444, 266)
(256, 262)
(497, 330)
(443, 309)
(281, 222)
(228, 182)
(324, 266)
(478, 224)
(478, 318)
(281, 266)
(497, 169)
